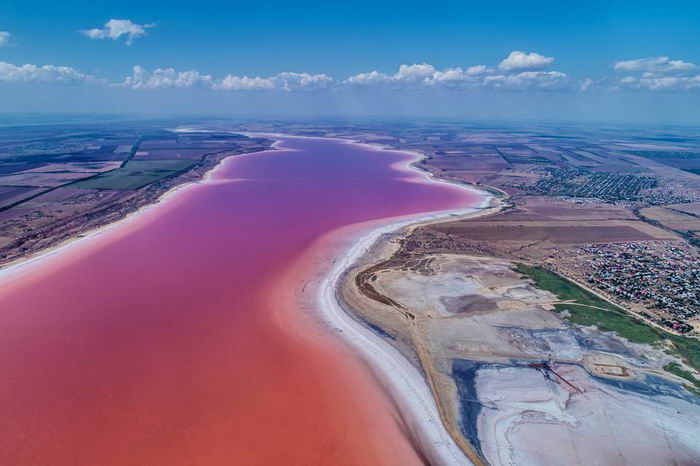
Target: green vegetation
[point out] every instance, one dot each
(607, 321)
(563, 288)
(688, 348)
(136, 174)
(676, 369)
(584, 309)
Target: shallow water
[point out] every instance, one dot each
(159, 341)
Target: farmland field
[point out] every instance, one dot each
(691, 208)
(173, 154)
(11, 194)
(40, 179)
(136, 174)
(555, 232)
(671, 219)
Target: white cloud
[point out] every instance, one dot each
(5, 38)
(165, 78)
(521, 61)
(458, 77)
(373, 78)
(661, 83)
(302, 81)
(116, 28)
(654, 65)
(286, 81)
(519, 71)
(477, 70)
(414, 75)
(425, 76)
(42, 74)
(529, 80)
(658, 74)
(407, 76)
(237, 83)
(169, 78)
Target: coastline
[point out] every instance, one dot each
(405, 382)
(10, 269)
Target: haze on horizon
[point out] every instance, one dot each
(598, 61)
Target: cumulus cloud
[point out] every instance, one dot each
(656, 65)
(232, 82)
(42, 74)
(414, 73)
(519, 71)
(406, 76)
(521, 61)
(116, 28)
(165, 78)
(373, 78)
(418, 76)
(657, 74)
(425, 76)
(5, 38)
(458, 77)
(302, 82)
(529, 80)
(169, 78)
(661, 83)
(651, 74)
(286, 81)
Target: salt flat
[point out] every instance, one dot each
(520, 383)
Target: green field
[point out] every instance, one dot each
(136, 174)
(563, 288)
(609, 319)
(688, 349)
(676, 369)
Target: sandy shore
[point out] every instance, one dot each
(403, 380)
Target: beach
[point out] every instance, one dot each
(352, 248)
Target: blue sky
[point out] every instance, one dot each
(569, 51)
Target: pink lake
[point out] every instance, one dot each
(177, 339)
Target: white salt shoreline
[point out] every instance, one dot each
(404, 381)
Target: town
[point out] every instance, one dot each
(662, 277)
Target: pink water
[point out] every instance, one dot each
(173, 339)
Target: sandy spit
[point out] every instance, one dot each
(404, 381)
